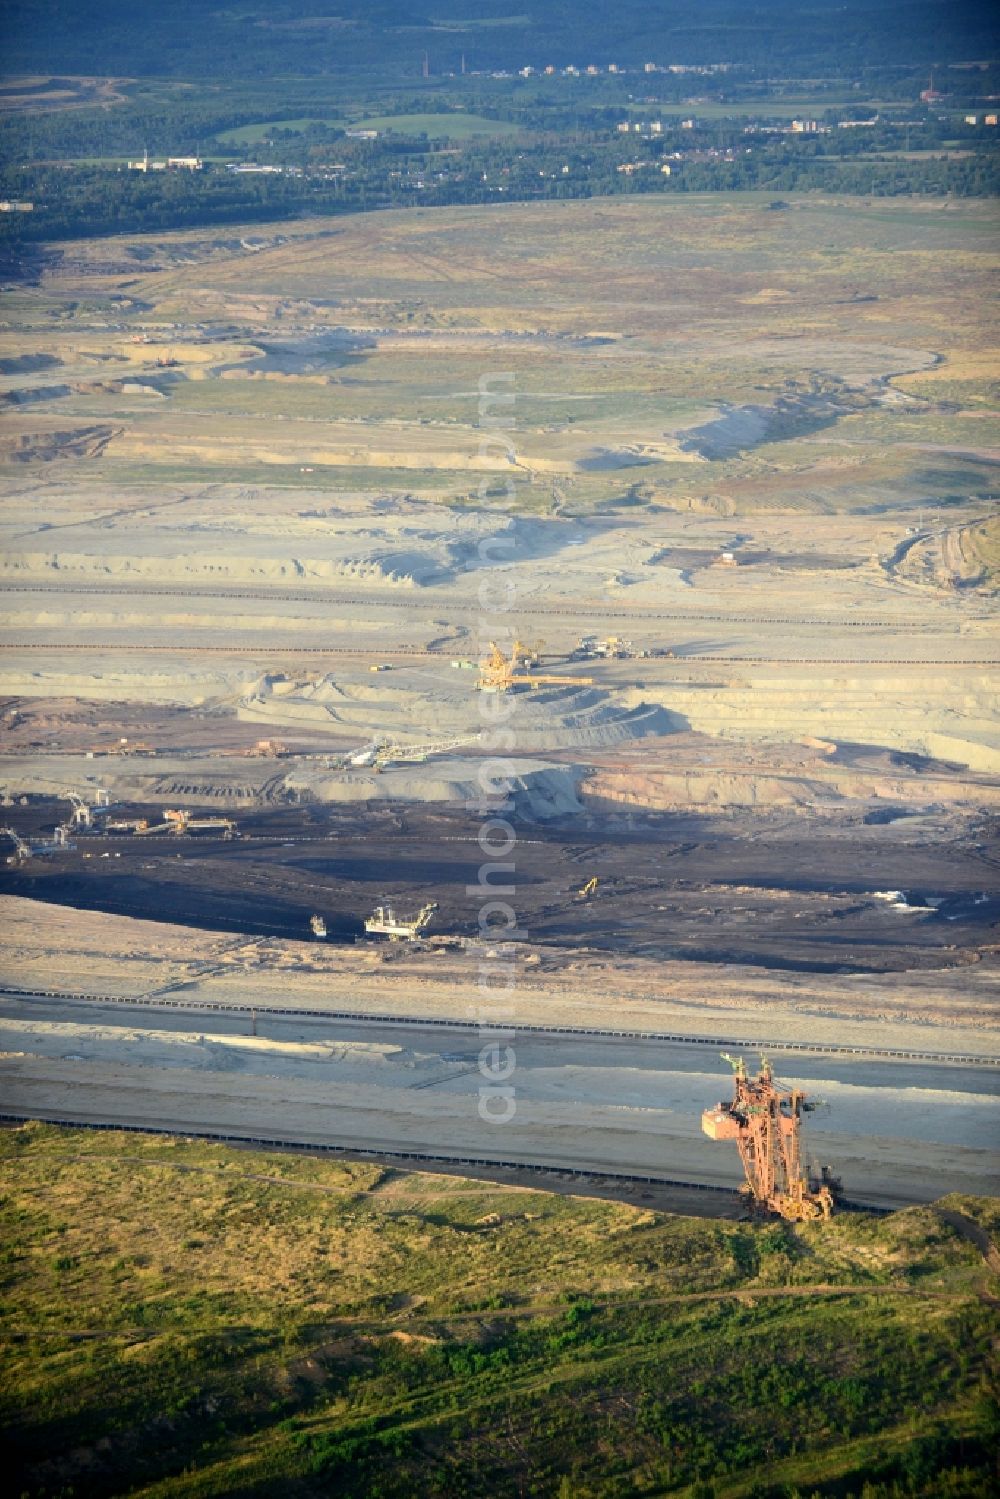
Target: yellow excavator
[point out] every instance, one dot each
(587, 890)
(498, 673)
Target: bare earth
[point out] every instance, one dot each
(582, 1104)
(240, 470)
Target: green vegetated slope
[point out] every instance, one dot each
(453, 126)
(252, 135)
(186, 1319)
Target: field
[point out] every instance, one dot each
(192, 1320)
(251, 135)
(805, 106)
(455, 125)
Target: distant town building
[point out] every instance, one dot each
(972, 119)
(362, 135)
(16, 205)
(805, 127)
(640, 127)
(989, 119)
(171, 163)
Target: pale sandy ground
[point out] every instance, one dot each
(942, 1010)
(139, 451)
(896, 1132)
(380, 575)
(850, 641)
(576, 1131)
(640, 1075)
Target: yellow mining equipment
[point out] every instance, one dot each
(499, 673)
(185, 822)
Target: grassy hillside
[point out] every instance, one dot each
(186, 1319)
(454, 126)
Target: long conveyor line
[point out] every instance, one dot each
(324, 649)
(142, 1001)
(638, 612)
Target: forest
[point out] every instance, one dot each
(267, 37)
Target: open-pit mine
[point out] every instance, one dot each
(304, 536)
